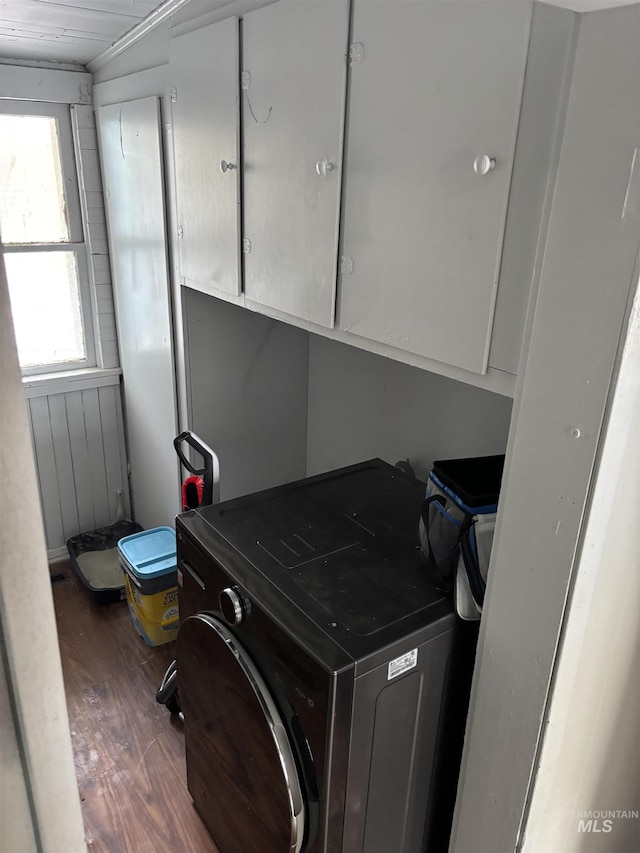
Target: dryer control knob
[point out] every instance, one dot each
(232, 606)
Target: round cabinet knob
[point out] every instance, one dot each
(483, 164)
(232, 606)
(224, 166)
(323, 167)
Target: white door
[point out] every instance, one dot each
(203, 72)
(293, 91)
(432, 87)
(132, 169)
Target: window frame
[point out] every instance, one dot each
(77, 241)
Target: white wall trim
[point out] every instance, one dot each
(595, 697)
(55, 555)
(168, 8)
(76, 380)
(133, 87)
(85, 143)
(26, 83)
(498, 381)
(50, 64)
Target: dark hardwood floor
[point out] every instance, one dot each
(129, 751)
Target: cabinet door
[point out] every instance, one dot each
(130, 137)
(294, 77)
(433, 86)
(204, 73)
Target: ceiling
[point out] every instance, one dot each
(66, 31)
(74, 32)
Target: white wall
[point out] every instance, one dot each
(81, 461)
(590, 759)
(277, 403)
(362, 405)
(39, 802)
(247, 381)
(15, 811)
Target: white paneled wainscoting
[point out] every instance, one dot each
(79, 447)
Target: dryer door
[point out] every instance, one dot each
(240, 766)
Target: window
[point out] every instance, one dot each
(42, 237)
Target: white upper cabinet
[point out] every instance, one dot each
(204, 72)
(293, 92)
(434, 101)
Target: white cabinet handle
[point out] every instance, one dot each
(323, 167)
(224, 166)
(483, 164)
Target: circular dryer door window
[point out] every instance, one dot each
(240, 766)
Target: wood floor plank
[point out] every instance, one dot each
(128, 750)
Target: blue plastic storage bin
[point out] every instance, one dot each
(150, 565)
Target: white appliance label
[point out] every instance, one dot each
(402, 664)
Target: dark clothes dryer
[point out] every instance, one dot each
(323, 679)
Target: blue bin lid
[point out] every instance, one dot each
(151, 553)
